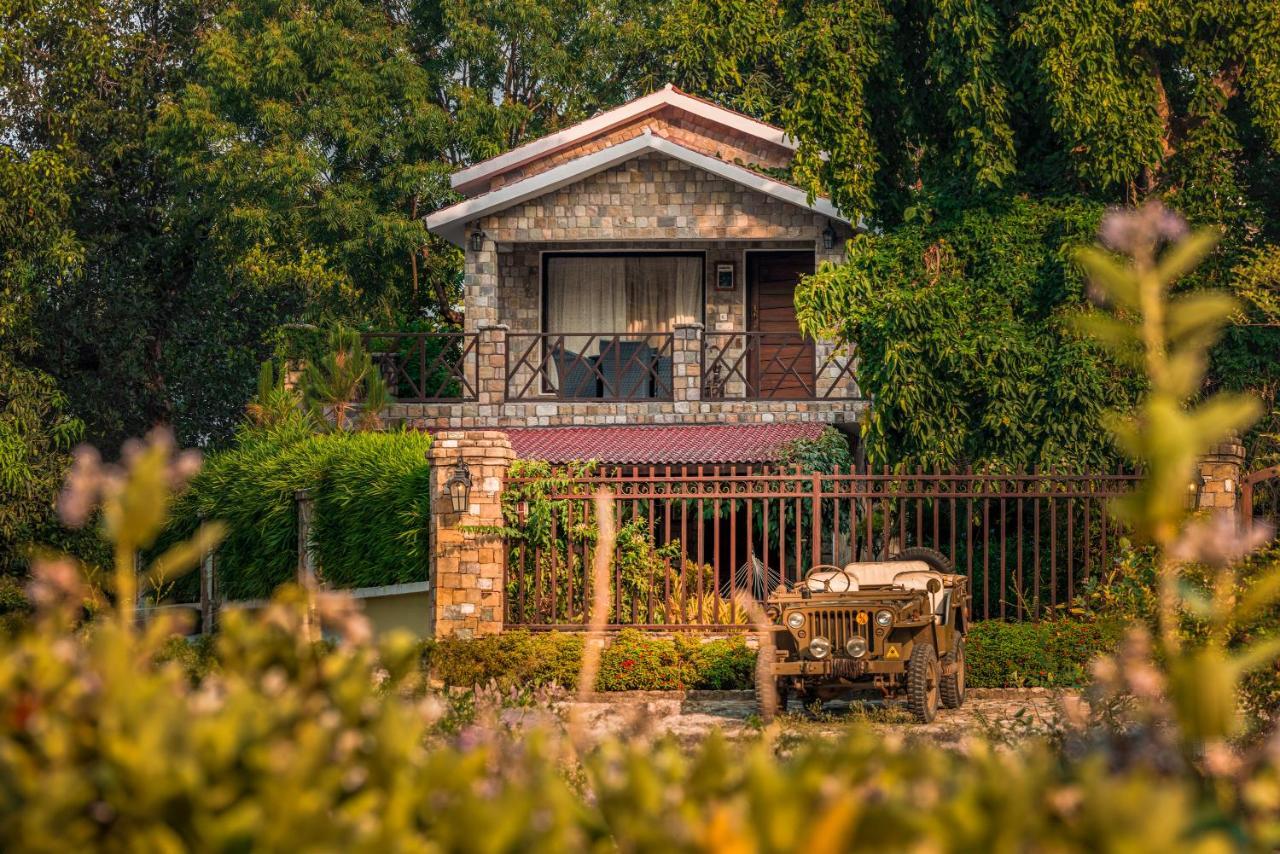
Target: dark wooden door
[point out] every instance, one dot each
(780, 361)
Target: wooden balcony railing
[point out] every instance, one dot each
(426, 367)
(595, 366)
(775, 366)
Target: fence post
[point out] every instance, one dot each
(1220, 472)
(306, 574)
(208, 605)
(467, 583)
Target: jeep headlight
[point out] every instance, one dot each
(884, 619)
(819, 647)
(856, 647)
(795, 620)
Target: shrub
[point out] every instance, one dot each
(633, 661)
(1052, 653)
(512, 659)
(371, 509)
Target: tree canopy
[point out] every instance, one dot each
(182, 181)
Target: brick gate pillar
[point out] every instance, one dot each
(1220, 471)
(466, 565)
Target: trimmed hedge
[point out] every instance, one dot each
(1051, 653)
(634, 661)
(999, 655)
(371, 494)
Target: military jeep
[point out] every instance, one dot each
(895, 626)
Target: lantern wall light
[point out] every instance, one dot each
(477, 241)
(458, 488)
(828, 236)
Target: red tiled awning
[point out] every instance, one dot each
(660, 445)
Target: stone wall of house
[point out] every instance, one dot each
(676, 125)
(652, 201)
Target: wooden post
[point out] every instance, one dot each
(208, 604)
(306, 575)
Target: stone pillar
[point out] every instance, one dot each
(466, 565)
(1220, 472)
(686, 365)
(491, 366)
(480, 281)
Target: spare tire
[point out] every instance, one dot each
(937, 560)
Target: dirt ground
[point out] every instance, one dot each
(1002, 715)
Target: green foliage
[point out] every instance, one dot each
(1050, 653)
(344, 386)
(371, 508)
(632, 661)
(963, 339)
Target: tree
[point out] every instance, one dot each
(931, 118)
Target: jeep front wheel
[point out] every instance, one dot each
(923, 680)
(952, 688)
(770, 699)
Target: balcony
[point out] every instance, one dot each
(494, 377)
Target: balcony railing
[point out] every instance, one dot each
(426, 367)
(594, 366)
(775, 366)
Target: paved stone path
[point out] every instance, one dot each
(1004, 715)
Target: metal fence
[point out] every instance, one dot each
(693, 538)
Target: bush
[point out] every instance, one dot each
(510, 660)
(371, 497)
(633, 661)
(1051, 654)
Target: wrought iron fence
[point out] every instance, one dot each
(603, 366)
(426, 367)
(1260, 497)
(692, 539)
(775, 365)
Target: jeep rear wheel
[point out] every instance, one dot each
(924, 677)
(952, 686)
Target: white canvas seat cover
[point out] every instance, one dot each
(909, 574)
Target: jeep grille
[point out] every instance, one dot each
(838, 625)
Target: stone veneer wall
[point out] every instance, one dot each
(653, 200)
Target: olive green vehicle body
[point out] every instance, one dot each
(839, 615)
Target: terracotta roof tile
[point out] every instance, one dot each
(660, 445)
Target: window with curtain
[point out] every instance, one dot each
(620, 294)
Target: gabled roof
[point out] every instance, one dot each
(451, 222)
(668, 96)
(689, 444)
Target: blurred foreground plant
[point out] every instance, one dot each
(1168, 338)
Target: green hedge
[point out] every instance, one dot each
(371, 493)
(634, 661)
(1052, 653)
(999, 655)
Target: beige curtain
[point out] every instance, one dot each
(662, 292)
(630, 294)
(586, 294)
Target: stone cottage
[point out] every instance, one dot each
(629, 294)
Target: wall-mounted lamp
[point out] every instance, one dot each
(458, 488)
(828, 236)
(477, 241)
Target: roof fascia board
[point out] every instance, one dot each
(451, 222)
(666, 96)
